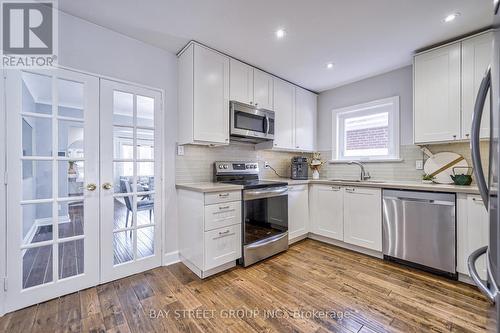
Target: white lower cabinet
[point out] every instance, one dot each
(327, 211)
(472, 231)
(298, 211)
(349, 214)
(363, 217)
(222, 246)
(209, 230)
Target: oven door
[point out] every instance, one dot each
(265, 213)
(265, 231)
(247, 121)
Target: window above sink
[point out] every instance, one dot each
(367, 132)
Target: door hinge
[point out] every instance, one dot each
(4, 284)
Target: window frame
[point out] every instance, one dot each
(365, 109)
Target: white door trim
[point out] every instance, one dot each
(3, 203)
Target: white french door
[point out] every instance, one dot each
(130, 171)
(53, 201)
(84, 182)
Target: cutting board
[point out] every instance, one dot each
(438, 161)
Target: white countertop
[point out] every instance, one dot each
(206, 187)
(392, 184)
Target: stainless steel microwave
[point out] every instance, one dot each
(251, 124)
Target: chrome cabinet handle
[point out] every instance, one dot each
(223, 195)
(475, 135)
(223, 232)
(107, 186)
(91, 187)
(350, 190)
(225, 207)
(336, 188)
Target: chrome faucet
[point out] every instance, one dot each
(365, 175)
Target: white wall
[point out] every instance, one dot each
(88, 47)
(395, 83)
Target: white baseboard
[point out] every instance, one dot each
(171, 258)
(294, 239)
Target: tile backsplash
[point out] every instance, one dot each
(196, 165)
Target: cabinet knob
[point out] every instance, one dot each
(454, 137)
(256, 104)
(107, 186)
(467, 135)
(251, 102)
(91, 187)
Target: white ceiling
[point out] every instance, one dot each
(361, 37)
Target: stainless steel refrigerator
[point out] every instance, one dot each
(489, 92)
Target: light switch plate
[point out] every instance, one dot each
(419, 164)
(180, 150)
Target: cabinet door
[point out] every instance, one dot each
(241, 82)
(327, 211)
(437, 95)
(363, 217)
(222, 246)
(211, 96)
(476, 57)
(305, 119)
(284, 108)
(263, 90)
(298, 210)
(473, 227)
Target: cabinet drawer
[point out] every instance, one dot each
(218, 197)
(222, 215)
(222, 245)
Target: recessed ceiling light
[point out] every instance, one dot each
(280, 33)
(451, 17)
(329, 65)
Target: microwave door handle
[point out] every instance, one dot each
(266, 125)
(475, 137)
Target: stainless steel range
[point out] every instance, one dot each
(265, 210)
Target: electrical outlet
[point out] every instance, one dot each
(180, 150)
(419, 164)
(266, 165)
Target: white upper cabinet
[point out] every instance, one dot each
(476, 57)
(305, 119)
(284, 109)
(363, 217)
(263, 90)
(203, 96)
(437, 95)
(241, 82)
(327, 218)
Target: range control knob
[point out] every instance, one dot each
(220, 166)
(225, 166)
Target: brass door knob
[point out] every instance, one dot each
(107, 186)
(91, 187)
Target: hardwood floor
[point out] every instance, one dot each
(356, 293)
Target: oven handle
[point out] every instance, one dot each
(265, 193)
(267, 241)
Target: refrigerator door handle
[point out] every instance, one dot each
(475, 137)
(483, 287)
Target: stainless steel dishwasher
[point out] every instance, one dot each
(419, 229)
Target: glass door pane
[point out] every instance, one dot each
(128, 165)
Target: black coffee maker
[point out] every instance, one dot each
(299, 167)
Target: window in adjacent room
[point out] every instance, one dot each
(368, 131)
